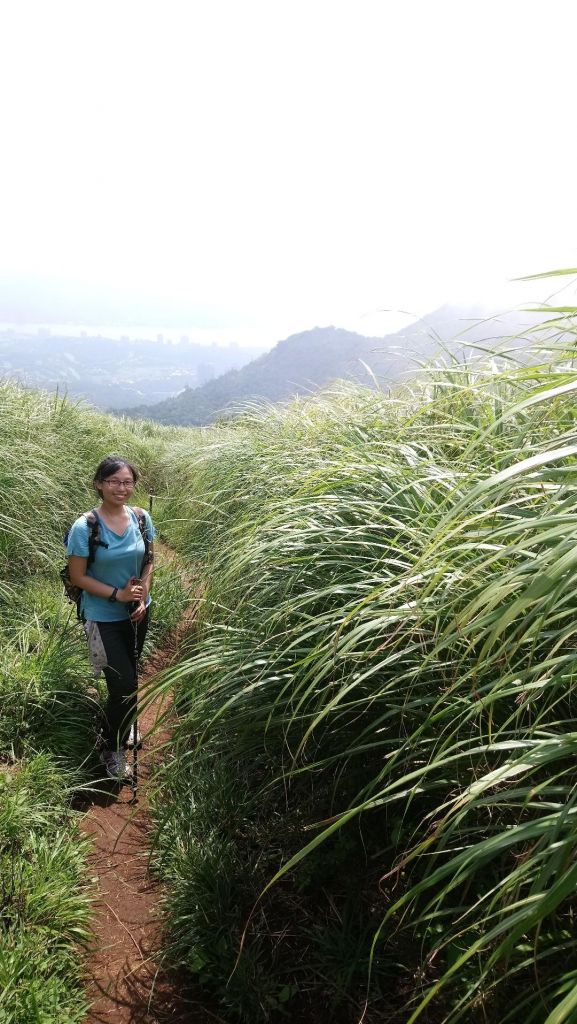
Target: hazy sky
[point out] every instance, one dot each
(276, 164)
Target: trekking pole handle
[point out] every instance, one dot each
(133, 605)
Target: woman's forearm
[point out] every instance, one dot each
(92, 586)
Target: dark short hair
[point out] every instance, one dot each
(110, 465)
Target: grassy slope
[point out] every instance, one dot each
(384, 671)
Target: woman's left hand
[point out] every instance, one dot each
(139, 613)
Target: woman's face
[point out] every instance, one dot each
(117, 488)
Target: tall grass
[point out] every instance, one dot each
(384, 675)
(44, 898)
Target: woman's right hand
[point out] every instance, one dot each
(133, 591)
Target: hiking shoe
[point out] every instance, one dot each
(115, 764)
(129, 742)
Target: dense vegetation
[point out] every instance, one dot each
(49, 717)
(372, 793)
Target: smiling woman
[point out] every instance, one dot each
(111, 561)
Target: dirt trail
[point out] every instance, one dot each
(125, 985)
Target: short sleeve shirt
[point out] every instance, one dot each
(116, 559)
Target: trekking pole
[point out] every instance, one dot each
(134, 782)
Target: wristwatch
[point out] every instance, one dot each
(113, 594)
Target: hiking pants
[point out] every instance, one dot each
(120, 675)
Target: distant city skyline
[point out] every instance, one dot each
(229, 337)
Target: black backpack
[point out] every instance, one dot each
(74, 593)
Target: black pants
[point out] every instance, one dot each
(118, 639)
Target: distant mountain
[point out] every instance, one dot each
(301, 363)
(304, 362)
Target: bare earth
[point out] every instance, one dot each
(125, 984)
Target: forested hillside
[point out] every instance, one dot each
(304, 362)
(299, 364)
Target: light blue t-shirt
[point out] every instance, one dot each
(114, 564)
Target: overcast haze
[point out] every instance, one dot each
(245, 170)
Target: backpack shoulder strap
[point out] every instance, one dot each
(139, 513)
(93, 534)
(143, 527)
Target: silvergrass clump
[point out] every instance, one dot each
(387, 646)
(44, 898)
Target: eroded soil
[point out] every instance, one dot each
(126, 985)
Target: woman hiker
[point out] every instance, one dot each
(115, 579)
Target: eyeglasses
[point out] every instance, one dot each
(117, 484)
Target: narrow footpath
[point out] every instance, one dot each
(125, 984)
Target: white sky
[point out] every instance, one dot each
(289, 162)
